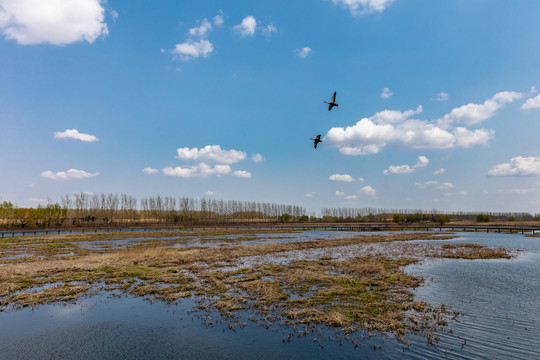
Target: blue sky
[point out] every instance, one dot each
(438, 106)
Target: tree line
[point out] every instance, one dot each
(88, 209)
(411, 215)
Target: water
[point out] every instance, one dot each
(499, 301)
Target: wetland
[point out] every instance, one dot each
(256, 293)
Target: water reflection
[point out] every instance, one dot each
(498, 299)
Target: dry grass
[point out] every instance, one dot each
(366, 290)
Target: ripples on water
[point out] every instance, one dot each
(499, 301)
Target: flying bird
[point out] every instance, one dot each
(332, 102)
(316, 140)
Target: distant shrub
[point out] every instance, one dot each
(483, 218)
(398, 218)
(303, 218)
(443, 219)
(536, 218)
(285, 218)
(511, 218)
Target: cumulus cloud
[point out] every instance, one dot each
(211, 193)
(440, 171)
(368, 190)
(191, 49)
(531, 103)
(201, 31)
(394, 116)
(351, 197)
(517, 166)
(390, 128)
(247, 27)
(75, 134)
(303, 52)
(386, 93)
(406, 169)
(472, 114)
(341, 178)
(340, 193)
(445, 185)
(242, 174)
(257, 158)
(218, 20)
(197, 44)
(211, 153)
(71, 174)
(200, 170)
(442, 96)
(149, 170)
(57, 22)
(269, 30)
(360, 7)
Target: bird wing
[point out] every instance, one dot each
(315, 144)
(334, 97)
(330, 107)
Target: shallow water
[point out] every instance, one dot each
(499, 301)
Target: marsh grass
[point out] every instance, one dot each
(365, 291)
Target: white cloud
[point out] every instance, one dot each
(74, 134)
(368, 190)
(351, 197)
(341, 178)
(269, 30)
(218, 20)
(472, 114)
(422, 162)
(340, 193)
(211, 153)
(445, 185)
(149, 170)
(303, 52)
(247, 26)
(360, 7)
(391, 128)
(386, 93)
(191, 49)
(57, 22)
(442, 96)
(394, 116)
(211, 193)
(360, 179)
(427, 183)
(463, 193)
(517, 166)
(440, 171)
(531, 103)
(310, 195)
(199, 170)
(520, 191)
(257, 158)
(406, 169)
(114, 14)
(242, 174)
(71, 174)
(201, 31)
